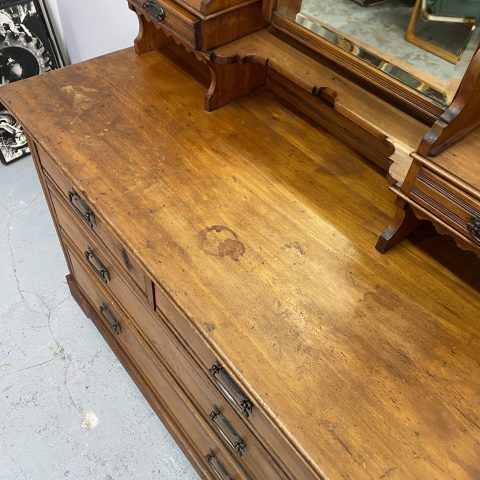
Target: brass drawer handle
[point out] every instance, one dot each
(218, 469)
(474, 228)
(82, 208)
(154, 10)
(97, 266)
(111, 320)
(232, 392)
(227, 431)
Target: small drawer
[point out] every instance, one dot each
(67, 199)
(230, 394)
(178, 21)
(97, 259)
(173, 403)
(448, 202)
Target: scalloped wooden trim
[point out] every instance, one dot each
(154, 36)
(422, 214)
(149, 36)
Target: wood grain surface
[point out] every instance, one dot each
(262, 229)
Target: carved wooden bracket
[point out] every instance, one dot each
(149, 36)
(234, 77)
(460, 118)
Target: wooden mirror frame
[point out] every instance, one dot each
(282, 12)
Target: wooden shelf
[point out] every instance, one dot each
(373, 115)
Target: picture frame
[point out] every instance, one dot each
(28, 47)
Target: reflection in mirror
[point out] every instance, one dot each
(426, 44)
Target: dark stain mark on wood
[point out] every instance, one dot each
(126, 259)
(388, 472)
(296, 246)
(334, 166)
(221, 241)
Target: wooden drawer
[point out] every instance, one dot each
(65, 197)
(97, 260)
(200, 441)
(176, 20)
(448, 202)
(212, 405)
(237, 437)
(231, 391)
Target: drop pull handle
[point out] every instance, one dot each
(227, 431)
(97, 266)
(230, 390)
(154, 10)
(81, 207)
(111, 320)
(474, 228)
(218, 469)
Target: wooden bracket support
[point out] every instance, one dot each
(149, 36)
(460, 118)
(233, 79)
(404, 223)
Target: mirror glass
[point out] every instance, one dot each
(425, 44)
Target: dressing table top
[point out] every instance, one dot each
(261, 227)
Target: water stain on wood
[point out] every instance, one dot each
(210, 327)
(80, 99)
(221, 241)
(342, 167)
(296, 246)
(126, 259)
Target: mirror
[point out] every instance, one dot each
(425, 44)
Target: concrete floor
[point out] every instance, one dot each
(68, 409)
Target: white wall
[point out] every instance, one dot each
(89, 28)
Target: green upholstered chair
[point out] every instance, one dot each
(458, 9)
(451, 11)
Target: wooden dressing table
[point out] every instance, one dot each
(227, 255)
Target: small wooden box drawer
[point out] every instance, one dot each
(64, 201)
(451, 204)
(293, 465)
(201, 442)
(172, 17)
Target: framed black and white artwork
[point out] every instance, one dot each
(28, 47)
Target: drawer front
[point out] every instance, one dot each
(231, 430)
(168, 15)
(229, 392)
(224, 420)
(98, 260)
(201, 442)
(66, 198)
(449, 203)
